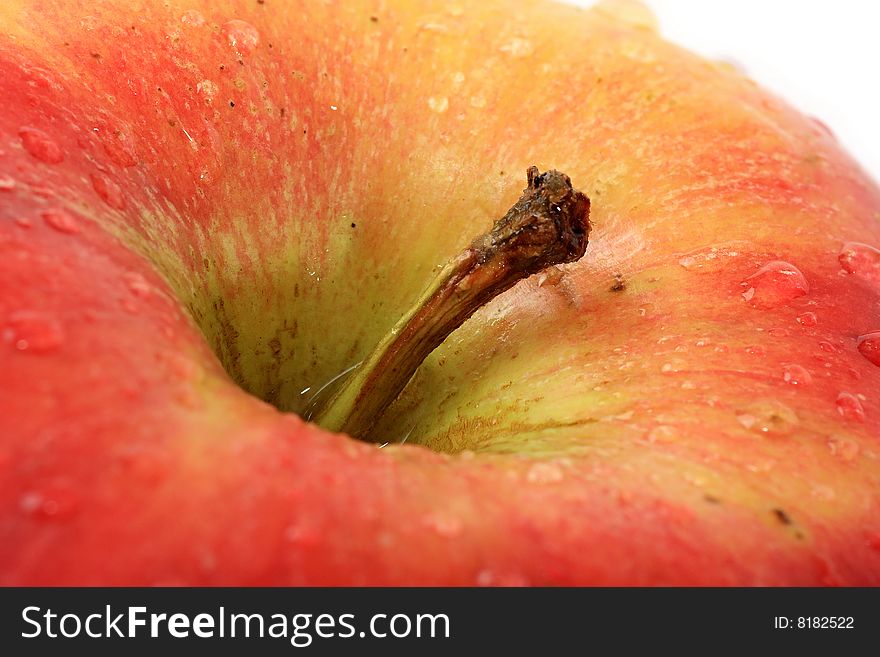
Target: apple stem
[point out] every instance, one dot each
(548, 225)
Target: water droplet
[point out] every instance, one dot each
(137, 284)
(444, 525)
(775, 284)
(869, 347)
(709, 259)
(862, 260)
(41, 146)
(7, 183)
(756, 350)
(518, 47)
(192, 17)
(32, 332)
(545, 472)
(242, 36)
(118, 146)
(778, 332)
(23, 222)
(673, 366)
(61, 221)
(208, 89)
(849, 406)
(845, 449)
(768, 417)
(661, 434)
(550, 277)
(827, 347)
(807, 319)
(438, 104)
(108, 190)
(796, 375)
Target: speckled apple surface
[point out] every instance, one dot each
(208, 206)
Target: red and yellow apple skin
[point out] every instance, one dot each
(206, 204)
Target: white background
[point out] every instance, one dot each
(822, 57)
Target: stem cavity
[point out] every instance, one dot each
(549, 225)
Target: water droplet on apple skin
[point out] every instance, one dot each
(807, 319)
(118, 146)
(796, 375)
(550, 277)
(756, 350)
(827, 347)
(61, 221)
(845, 449)
(108, 191)
(674, 366)
(137, 284)
(850, 407)
(242, 36)
(40, 146)
(768, 417)
(7, 183)
(860, 260)
(192, 17)
(869, 347)
(33, 332)
(207, 89)
(775, 284)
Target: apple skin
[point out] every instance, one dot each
(269, 186)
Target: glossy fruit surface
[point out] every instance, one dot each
(206, 204)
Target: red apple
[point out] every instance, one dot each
(209, 210)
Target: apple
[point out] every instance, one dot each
(216, 217)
